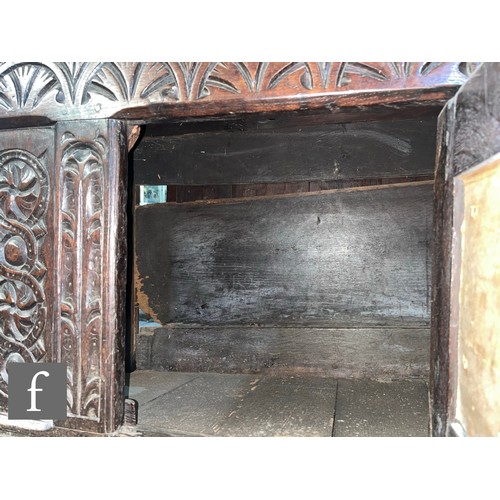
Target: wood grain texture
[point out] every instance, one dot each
(373, 409)
(288, 152)
(183, 194)
(441, 274)
(376, 353)
(354, 257)
(147, 90)
(196, 407)
(213, 404)
(294, 406)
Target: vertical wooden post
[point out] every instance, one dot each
(441, 275)
(89, 285)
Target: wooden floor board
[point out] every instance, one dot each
(285, 406)
(213, 404)
(366, 408)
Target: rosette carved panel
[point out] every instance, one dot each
(26, 158)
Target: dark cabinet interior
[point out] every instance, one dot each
(288, 243)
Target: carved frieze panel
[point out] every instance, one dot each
(62, 91)
(25, 248)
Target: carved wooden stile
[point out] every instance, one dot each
(90, 187)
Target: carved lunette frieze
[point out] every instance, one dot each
(97, 90)
(24, 201)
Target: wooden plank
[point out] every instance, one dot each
(145, 386)
(287, 153)
(185, 194)
(351, 183)
(441, 390)
(197, 406)
(355, 257)
(367, 408)
(294, 406)
(260, 189)
(214, 404)
(344, 353)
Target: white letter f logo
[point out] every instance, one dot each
(34, 389)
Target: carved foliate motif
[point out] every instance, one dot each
(101, 89)
(405, 74)
(24, 198)
(128, 81)
(81, 262)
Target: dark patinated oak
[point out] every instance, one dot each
(66, 129)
